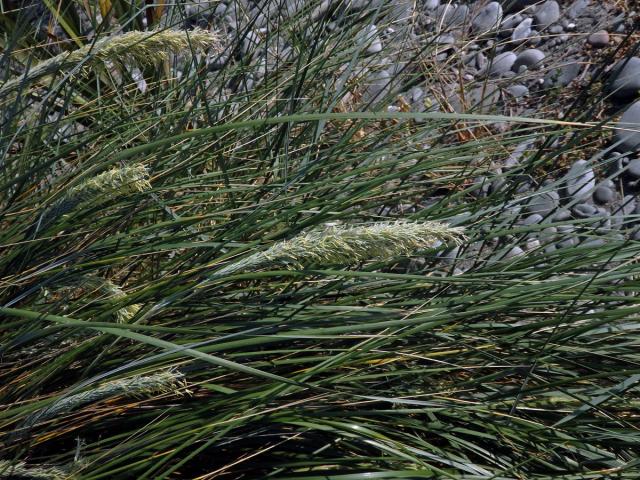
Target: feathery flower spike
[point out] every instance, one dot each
(349, 245)
(116, 182)
(136, 48)
(137, 386)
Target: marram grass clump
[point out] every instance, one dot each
(347, 245)
(132, 48)
(114, 183)
(137, 386)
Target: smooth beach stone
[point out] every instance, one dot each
(514, 252)
(529, 58)
(584, 210)
(449, 15)
(603, 194)
(580, 179)
(370, 36)
(629, 140)
(502, 63)
(522, 31)
(533, 219)
(517, 90)
(562, 75)
(543, 203)
(547, 13)
(599, 39)
(487, 18)
(624, 82)
(633, 168)
(576, 8)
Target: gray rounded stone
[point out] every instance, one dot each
(569, 242)
(371, 37)
(561, 215)
(584, 210)
(502, 63)
(547, 13)
(624, 82)
(627, 139)
(487, 18)
(514, 252)
(633, 169)
(562, 75)
(517, 90)
(603, 194)
(532, 219)
(580, 179)
(543, 203)
(522, 31)
(530, 58)
(594, 242)
(449, 15)
(599, 39)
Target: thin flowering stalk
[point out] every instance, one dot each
(349, 245)
(134, 48)
(137, 386)
(91, 283)
(22, 470)
(113, 183)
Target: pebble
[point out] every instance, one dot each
(629, 140)
(580, 179)
(529, 58)
(514, 252)
(543, 203)
(431, 4)
(562, 75)
(569, 242)
(547, 13)
(371, 36)
(533, 219)
(633, 168)
(522, 31)
(576, 8)
(556, 29)
(560, 216)
(377, 86)
(449, 15)
(584, 210)
(511, 21)
(487, 18)
(502, 63)
(483, 97)
(599, 39)
(603, 194)
(594, 242)
(517, 90)
(625, 79)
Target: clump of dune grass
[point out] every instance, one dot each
(132, 48)
(460, 362)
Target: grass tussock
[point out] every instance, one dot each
(428, 332)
